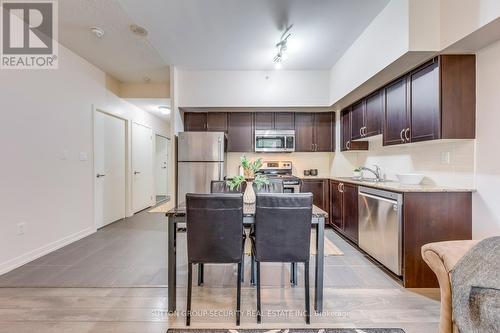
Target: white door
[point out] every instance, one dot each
(142, 167)
(161, 164)
(109, 166)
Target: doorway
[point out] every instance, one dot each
(142, 167)
(110, 168)
(161, 168)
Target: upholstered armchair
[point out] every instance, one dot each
(441, 258)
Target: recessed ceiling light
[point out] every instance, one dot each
(164, 110)
(138, 30)
(98, 32)
(146, 79)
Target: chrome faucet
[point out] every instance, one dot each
(376, 172)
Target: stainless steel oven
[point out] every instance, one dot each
(274, 141)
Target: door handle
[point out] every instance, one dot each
(100, 175)
(401, 135)
(406, 134)
(136, 172)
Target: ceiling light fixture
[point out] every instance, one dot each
(98, 32)
(282, 47)
(164, 110)
(138, 30)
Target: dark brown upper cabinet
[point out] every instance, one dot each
(324, 131)
(347, 143)
(240, 131)
(217, 122)
(374, 112)
(315, 132)
(274, 121)
(264, 120)
(195, 121)
(357, 120)
(435, 101)
(396, 112)
(284, 120)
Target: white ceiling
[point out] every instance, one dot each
(151, 105)
(241, 34)
(126, 56)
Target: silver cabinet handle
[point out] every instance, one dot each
(361, 131)
(100, 175)
(341, 187)
(315, 147)
(401, 135)
(312, 146)
(364, 131)
(406, 134)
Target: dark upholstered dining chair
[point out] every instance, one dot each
(274, 186)
(282, 234)
(214, 235)
(220, 186)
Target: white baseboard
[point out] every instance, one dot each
(41, 251)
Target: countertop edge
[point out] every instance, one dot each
(397, 187)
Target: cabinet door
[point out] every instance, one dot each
(374, 111)
(217, 121)
(357, 120)
(240, 132)
(424, 103)
(350, 211)
(396, 118)
(284, 121)
(195, 121)
(304, 129)
(345, 130)
(319, 189)
(324, 124)
(264, 120)
(335, 205)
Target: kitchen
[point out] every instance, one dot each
(417, 106)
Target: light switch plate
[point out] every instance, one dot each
(445, 157)
(83, 156)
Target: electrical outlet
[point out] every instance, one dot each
(21, 228)
(445, 157)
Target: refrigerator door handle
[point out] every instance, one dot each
(220, 157)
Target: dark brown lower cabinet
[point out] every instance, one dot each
(344, 209)
(427, 217)
(320, 190)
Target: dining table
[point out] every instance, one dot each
(177, 216)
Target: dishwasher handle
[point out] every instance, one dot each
(376, 197)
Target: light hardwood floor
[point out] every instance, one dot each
(357, 294)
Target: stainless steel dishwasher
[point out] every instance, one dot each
(380, 226)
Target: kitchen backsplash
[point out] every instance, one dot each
(447, 163)
(300, 161)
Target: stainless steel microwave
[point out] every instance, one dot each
(274, 141)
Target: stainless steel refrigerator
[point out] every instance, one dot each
(200, 159)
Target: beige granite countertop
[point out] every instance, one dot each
(395, 186)
(398, 187)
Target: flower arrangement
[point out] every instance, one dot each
(250, 174)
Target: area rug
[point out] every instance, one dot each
(293, 330)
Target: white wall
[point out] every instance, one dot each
(253, 88)
(384, 41)
(45, 113)
(486, 202)
(460, 18)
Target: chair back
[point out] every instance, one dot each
(283, 227)
(220, 186)
(274, 186)
(214, 227)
